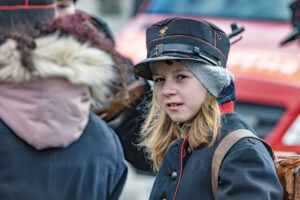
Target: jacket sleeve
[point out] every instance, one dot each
(119, 184)
(248, 172)
(118, 177)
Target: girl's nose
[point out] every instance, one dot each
(168, 88)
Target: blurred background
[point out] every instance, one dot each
(115, 12)
(267, 73)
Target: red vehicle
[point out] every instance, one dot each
(267, 76)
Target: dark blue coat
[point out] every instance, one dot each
(247, 172)
(92, 168)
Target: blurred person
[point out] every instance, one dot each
(295, 20)
(66, 7)
(52, 72)
(126, 119)
(192, 110)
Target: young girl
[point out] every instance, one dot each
(192, 111)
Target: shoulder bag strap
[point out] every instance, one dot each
(222, 149)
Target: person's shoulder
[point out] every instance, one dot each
(250, 149)
(233, 117)
(99, 124)
(105, 142)
(107, 136)
(253, 167)
(234, 121)
(246, 147)
(250, 143)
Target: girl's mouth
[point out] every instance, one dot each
(174, 106)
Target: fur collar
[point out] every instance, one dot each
(62, 56)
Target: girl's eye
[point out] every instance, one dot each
(157, 80)
(180, 77)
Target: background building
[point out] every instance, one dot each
(114, 12)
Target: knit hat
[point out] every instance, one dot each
(184, 39)
(16, 12)
(214, 78)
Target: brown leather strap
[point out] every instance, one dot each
(135, 90)
(222, 149)
(296, 173)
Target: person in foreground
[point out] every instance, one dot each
(192, 111)
(51, 72)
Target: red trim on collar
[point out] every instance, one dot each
(227, 107)
(182, 152)
(186, 142)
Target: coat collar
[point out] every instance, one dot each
(227, 107)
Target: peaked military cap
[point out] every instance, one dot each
(14, 12)
(184, 39)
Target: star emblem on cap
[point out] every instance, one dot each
(162, 31)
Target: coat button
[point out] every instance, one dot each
(174, 175)
(189, 150)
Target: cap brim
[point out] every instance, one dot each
(143, 69)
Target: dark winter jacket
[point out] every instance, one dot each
(247, 172)
(91, 168)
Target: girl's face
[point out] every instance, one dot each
(177, 90)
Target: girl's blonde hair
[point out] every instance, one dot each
(159, 130)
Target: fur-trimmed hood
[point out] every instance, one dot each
(46, 104)
(65, 57)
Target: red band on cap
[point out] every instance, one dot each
(189, 37)
(26, 6)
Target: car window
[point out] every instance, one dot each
(261, 117)
(292, 136)
(241, 9)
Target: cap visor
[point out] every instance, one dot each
(142, 69)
